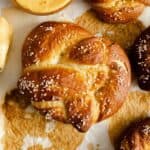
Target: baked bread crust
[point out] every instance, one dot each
(141, 55)
(137, 136)
(72, 76)
(41, 7)
(118, 11)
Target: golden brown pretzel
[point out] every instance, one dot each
(72, 76)
(119, 11)
(137, 136)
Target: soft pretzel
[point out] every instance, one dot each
(41, 6)
(119, 11)
(72, 76)
(141, 55)
(137, 136)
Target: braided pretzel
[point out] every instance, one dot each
(136, 136)
(72, 76)
(119, 11)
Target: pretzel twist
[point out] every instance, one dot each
(136, 136)
(119, 11)
(72, 76)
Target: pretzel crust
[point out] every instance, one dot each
(141, 59)
(137, 136)
(118, 11)
(72, 76)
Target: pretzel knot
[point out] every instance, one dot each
(119, 11)
(72, 76)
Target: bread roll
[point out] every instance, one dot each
(137, 136)
(119, 11)
(71, 76)
(5, 40)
